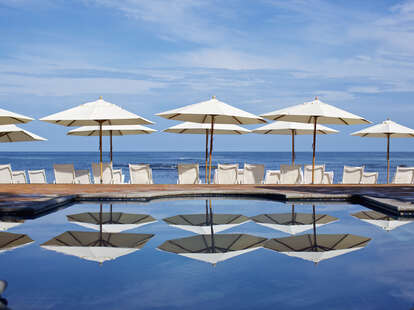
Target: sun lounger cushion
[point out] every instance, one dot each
(83, 176)
(106, 173)
(272, 177)
(6, 175)
(318, 174)
(19, 177)
(403, 175)
(290, 174)
(188, 174)
(37, 176)
(352, 175)
(369, 178)
(140, 174)
(64, 173)
(227, 173)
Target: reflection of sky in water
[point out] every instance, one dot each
(376, 277)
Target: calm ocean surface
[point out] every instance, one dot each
(164, 164)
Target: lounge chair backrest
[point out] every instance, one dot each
(403, 175)
(140, 174)
(37, 176)
(369, 178)
(19, 177)
(64, 173)
(6, 175)
(106, 173)
(352, 175)
(318, 176)
(290, 174)
(240, 174)
(117, 176)
(188, 174)
(227, 173)
(83, 176)
(253, 174)
(272, 177)
(328, 177)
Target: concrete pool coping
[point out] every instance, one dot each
(36, 199)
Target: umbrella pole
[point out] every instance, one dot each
(388, 158)
(211, 148)
(293, 147)
(110, 141)
(206, 154)
(100, 149)
(314, 146)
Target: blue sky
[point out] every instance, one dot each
(261, 55)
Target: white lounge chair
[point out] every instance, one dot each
(19, 177)
(240, 173)
(140, 174)
(117, 176)
(188, 174)
(352, 175)
(64, 173)
(369, 178)
(328, 177)
(83, 176)
(272, 177)
(291, 174)
(226, 173)
(37, 176)
(253, 174)
(403, 175)
(6, 174)
(318, 176)
(106, 173)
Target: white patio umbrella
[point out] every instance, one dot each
(200, 129)
(7, 117)
(293, 223)
(292, 129)
(315, 112)
(387, 129)
(214, 112)
(94, 113)
(12, 133)
(111, 130)
(382, 220)
(10, 241)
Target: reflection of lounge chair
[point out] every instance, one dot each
(272, 177)
(352, 175)
(403, 175)
(328, 177)
(318, 174)
(106, 173)
(64, 173)
(37, 176)
(19, 177)
(140, 174)
(290, 174)
(226, 174)
(188, 174)
(6, 175)
(253, 174)
(83, 176)
(369, 178)
(117, 176)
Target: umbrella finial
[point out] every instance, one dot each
(100, 97)
(213, 97)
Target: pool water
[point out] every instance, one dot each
(377, 276)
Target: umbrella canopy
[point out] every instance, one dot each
(292, 129)
(112, 222)
(293, 223)
(382, 220)
(10, 241)
(213, 248)
(316, 248)
(315, 112)
(7, 117)
(94, 113)
(213, 112)
(12, 133)
(387, 129)
(95, 246)
(201, 224)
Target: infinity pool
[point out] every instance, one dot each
(155, 273)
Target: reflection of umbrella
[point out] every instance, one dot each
(293, 223)
(200, 129)
(315, 247)
(12, 133)
(387, 129)
(95, 113)
(96, 246)
(384, 221)
(118, 130)
(6, 224)
(213, 248)
(214, 112)
(10, 241)
(315, 112)
(7, 117)
(292, 129)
